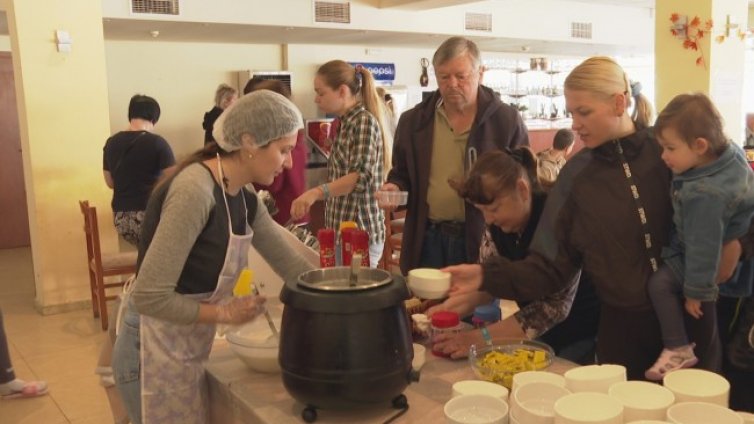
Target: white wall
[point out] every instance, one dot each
(533, 19)
(182, 77)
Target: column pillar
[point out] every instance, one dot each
(63, 120)
(715, 68)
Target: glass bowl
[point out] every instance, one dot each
(502, 359)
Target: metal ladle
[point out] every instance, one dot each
(268, 317)
(353, 278)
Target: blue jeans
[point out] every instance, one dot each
(441, 248)
(127, 364)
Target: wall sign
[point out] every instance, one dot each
(380, 71)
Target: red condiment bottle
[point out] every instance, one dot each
(444, 322)
(360, 244)
(326, 237)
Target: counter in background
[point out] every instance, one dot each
(241, 396)
(541, 133)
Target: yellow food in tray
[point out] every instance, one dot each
(499, 363)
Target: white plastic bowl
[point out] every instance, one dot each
(476, 409)
(748, 417)
(255, 345)
(588, 408)
(527, 377)
(392, 199)
(429, 283)
(476, 387)
(694, 385)
(534, 403)
(702, 413)
(420, 356)
(642, 400)
(594, 378)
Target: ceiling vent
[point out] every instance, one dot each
(158, 7)
(330, 11)
(581, 30)
(479, 22)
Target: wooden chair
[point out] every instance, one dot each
(103, 265)
(394, 222)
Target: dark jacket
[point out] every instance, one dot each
(496, 126)
(591, 222)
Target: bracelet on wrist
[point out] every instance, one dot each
(325, 191)
(486, 336)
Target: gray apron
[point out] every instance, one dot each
(173, 386)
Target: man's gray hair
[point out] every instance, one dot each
(454, 47)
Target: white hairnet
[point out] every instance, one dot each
(263, 114)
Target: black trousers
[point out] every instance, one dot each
(741, 382)
(631, 337)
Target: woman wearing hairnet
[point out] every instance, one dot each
(196, 233)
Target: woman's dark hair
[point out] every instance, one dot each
(693, 116)
(144, 107)
(273, 85)
(497, 172)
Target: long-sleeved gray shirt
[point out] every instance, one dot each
(184, 239)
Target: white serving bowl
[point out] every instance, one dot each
(476, 409)
(391, 198)
(702, 413)
(527, 377)
(429, 283)
(594, 378)
(588, 408)
(642, 400)
(420, 356)
(255, 345)
(694, 385)
(748, 417)
(534, 403)
(476, 387)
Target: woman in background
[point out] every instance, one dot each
(290, 183)
(225, 95)
(133, 161)
(359, 157)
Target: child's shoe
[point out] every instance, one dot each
(670, 360)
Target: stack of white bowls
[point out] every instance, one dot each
(598, 394)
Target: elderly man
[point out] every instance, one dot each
(435, 143)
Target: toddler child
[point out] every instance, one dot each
(713, 202)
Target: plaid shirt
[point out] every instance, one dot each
(357, 148)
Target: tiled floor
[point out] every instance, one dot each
(62, 349)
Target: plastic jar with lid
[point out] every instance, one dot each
(444, 322)
(485, 315)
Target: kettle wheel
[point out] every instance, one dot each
(309, 414)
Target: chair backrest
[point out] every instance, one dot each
(91, 229)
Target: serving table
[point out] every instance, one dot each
(241, 396)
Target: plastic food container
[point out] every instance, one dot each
(386, 199)
(445, 322)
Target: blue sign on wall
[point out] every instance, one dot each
(380, 71)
